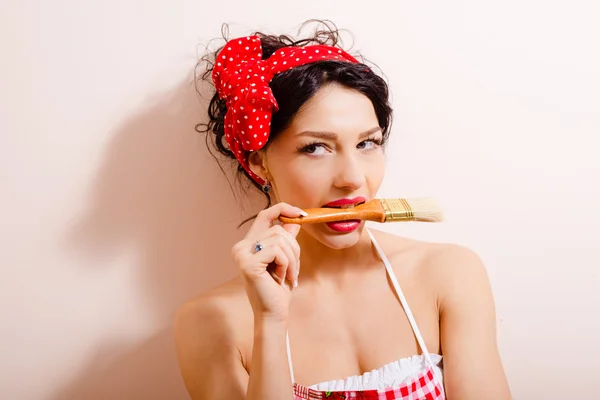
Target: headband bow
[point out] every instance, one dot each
(242, 79)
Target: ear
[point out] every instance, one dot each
(257, 164)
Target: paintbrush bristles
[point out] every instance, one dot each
(425, 210)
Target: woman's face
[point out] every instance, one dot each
(332, 150)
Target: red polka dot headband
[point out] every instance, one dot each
(242, 79)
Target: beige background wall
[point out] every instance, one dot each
(113, 213)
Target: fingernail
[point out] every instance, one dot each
(303, 213)
(298, 271)
(295, 283)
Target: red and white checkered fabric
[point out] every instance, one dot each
(423, 386)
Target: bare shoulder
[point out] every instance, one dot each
(222, 313)
(442, 264)
(208, 334)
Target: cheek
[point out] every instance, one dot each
(299, 181)
(375, 170)
(306, 181)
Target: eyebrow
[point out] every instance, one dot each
(333, 136)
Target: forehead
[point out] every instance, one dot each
(335, 108)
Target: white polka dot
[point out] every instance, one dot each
(255, 135)
(297, 59)
(261, 126)
(254, 84)
(229, 86)
(253, 90)
(247, 48)
(259, 143)
(266, 117)
(229, 48)
(329, 51)
(339, 51)
(224, 57)
(243, 133)
(219, 64)
(303, 51)
(238, 121)
(266, 92)
(245, 117)
(316, 51)
(257, 118)
(230, 59)
(241, 107)
(250, 126)
(274, 62)
(269, 123)
(239, 41)
(235, 98)
(309, 56)
(254, 110)
(285, 62)
(247, 141)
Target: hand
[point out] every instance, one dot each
(270, 274)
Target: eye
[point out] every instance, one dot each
(370, 144)
(314, 149)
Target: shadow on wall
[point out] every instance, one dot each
(160, 195)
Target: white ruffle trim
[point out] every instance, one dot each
(390, 375)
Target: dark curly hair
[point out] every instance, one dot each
(295, 87)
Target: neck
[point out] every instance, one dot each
(323, 263)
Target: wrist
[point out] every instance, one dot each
(265, 323)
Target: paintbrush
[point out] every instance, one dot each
(377, 210)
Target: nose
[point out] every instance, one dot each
(350, 173)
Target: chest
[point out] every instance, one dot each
(350, 333)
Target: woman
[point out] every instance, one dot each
(369, 314)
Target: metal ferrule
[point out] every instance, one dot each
(397, 210)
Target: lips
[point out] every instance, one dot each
(345, 203)
(344, 226)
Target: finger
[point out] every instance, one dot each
(276, 256)
(256, 263)
(280, 230)
(277, 236)
(283, 242)
(275, 231)
(292, 270)
(264, 220)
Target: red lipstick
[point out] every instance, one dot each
(345, 202)
(344, 226)
(349, 225)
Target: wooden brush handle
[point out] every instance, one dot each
(369, 211)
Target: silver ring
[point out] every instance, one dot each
(258, 247)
